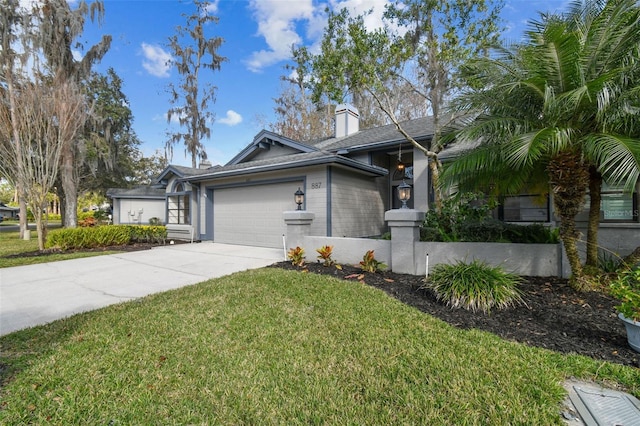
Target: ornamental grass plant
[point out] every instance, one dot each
(474, 286)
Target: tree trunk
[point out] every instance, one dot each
(69, 188)
(569, 180)
(435, 182)
(24, 220)
(595, 185)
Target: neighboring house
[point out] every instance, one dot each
(349, 181)
(7, 212)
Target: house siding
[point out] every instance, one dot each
(357, 205)
(316, 196)
(272, 152)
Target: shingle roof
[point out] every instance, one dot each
(138, 192)
(287, 162)
(419, 129)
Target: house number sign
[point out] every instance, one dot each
(316, 185)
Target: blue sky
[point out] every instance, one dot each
(258, 35)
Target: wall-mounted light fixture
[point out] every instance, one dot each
(298, 197)
(404, 193)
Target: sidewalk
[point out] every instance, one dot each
(38, 294)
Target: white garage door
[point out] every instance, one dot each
(252, 215)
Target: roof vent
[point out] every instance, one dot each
(347, 120)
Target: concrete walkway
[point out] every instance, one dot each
(38, 294)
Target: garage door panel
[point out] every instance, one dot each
(252, 215)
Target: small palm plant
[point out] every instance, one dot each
(324, 254)
(296, 256)
(370, 264)
(474, 286)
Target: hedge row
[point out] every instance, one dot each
(104, 236)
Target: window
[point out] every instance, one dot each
(178, 206)
(616, 205)
(525, 208)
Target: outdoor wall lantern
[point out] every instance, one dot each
(298, 197)
(404, 193)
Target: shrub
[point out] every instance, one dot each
(148, 233)
(324, 254)
(155, 221)
(626, 288)
(82, 238)
(296, 256)
(104, 236)
(370, 264)
(474, 286)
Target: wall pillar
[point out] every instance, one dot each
(405, 232)
(298, 226)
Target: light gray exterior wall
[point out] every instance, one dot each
(272, 152)
(540, 260)
(357, 205)
(317, 197)
(150, 208)
(523, 259)
(620, 238)
(348, 251)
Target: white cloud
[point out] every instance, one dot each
(231, 119)
(212, 8)
(277, 22)
(156, 60)
(373, 20)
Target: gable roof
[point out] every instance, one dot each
(266, 139)
(287, 162)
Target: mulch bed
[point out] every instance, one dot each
(555, 316)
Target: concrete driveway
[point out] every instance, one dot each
(38, 294)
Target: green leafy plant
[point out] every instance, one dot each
(626, 288)
(155, 221)
(324, 254)
(468, 218)
(474, 286)
(370, 264)
(296, 256)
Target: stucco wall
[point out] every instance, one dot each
(348, 250)
(525, 259)
(357, 205)
(619, 238)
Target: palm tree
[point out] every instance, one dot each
(560, 109)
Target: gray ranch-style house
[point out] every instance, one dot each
(349, 181)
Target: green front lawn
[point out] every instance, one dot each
(280, 347)
(11, 244)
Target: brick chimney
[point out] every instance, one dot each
(347, 120)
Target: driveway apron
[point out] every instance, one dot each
(37, 294)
